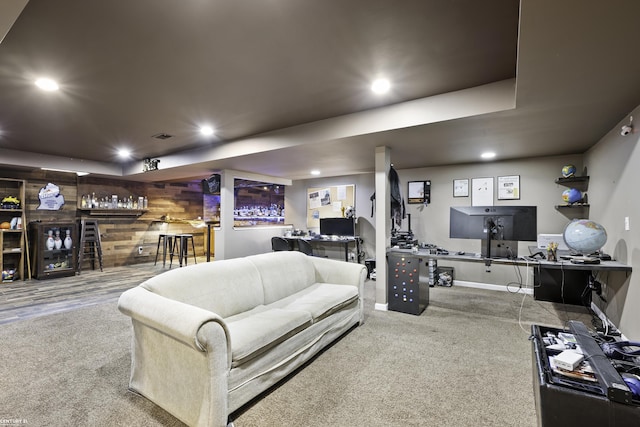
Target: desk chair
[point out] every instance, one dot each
(280, 244)
(305, 247)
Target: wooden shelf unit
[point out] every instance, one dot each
(14, 254)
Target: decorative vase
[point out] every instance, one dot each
(57, 242)
(68, 243)
(50, 244)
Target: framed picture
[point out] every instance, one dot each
(482, 192)
(460, 188)
(509, 187)
(419, 192)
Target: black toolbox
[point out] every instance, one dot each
(597, 398)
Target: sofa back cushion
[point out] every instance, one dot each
(226, 287)
(283, 273)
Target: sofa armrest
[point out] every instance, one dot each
(174, 318)
(339, 272)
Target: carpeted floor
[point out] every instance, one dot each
(464, 362)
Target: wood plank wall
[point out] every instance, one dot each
(121, 236)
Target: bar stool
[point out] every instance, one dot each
(181, 242)
(168, 240)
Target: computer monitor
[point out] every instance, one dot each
(337, 227)
(494, 223)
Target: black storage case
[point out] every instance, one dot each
(564, 402)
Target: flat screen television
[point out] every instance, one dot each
(493, 223)
(337, 227)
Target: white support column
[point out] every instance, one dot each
(383, 223)
(226, 213)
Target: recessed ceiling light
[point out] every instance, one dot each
(47, 84)
(380, 86)
(124, 153)
(488, 155)
(315, 172)
(206, 130)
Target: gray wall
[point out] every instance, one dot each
(614, 167)
(538, 188)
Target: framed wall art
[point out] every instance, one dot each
(482, 192)
(460, 188)
(509, 187)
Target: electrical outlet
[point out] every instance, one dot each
(139, 250)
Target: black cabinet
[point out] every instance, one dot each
(53, 247)
(407, 293)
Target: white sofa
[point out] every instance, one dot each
(209, 337)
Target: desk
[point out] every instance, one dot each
(340, 241)
(554, 281)
(566, 282)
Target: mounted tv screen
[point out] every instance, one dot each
(337, 227)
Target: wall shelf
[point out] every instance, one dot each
(578, 182)
(112, 212)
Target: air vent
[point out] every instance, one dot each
(162, 135)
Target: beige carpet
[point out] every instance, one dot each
(464, 362)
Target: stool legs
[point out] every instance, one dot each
(181, 248)
(168, 242)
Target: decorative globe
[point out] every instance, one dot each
(585, 236)
(571, 195)
(568, 170)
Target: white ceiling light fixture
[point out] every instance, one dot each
(206, 130)
(380, 86)
(488, 155)
(47, 84)
(124, 153)
(315, 172)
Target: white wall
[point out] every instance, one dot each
(614, 168)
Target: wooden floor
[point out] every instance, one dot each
(31, 298)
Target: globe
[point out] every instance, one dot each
(571, 195)
(568, 170)
(585, 236)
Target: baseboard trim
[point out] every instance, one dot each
(491, 287)
(381, 307)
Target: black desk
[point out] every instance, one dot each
(566, 282)
(340, 241)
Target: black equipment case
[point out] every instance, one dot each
(565, 401)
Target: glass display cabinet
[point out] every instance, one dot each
(53, 247)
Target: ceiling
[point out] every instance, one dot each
(286, 83)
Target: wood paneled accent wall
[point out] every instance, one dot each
(121, 235)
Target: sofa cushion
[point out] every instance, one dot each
(283, 273)
(320, 299)
(224, 287)
(258, 330)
